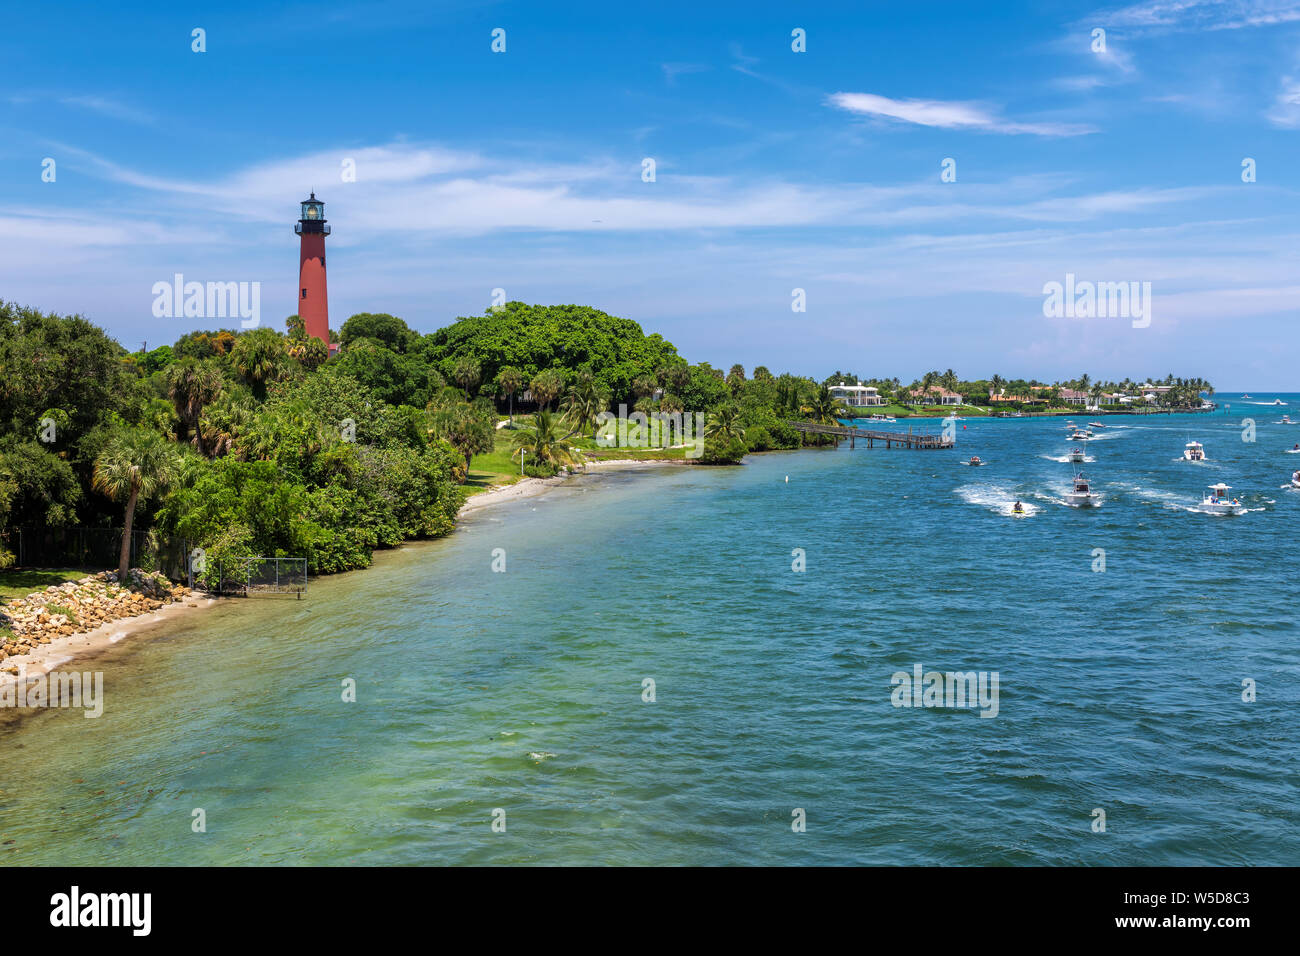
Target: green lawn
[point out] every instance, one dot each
(497, 467)
(493, 467)
(23, 581)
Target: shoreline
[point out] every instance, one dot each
(532, 487)
(86, 645)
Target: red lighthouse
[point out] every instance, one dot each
(313, 301)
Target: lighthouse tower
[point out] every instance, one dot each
(313, 301)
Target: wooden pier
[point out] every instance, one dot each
(902, 440)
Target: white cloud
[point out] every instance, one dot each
(1187, 15)
(1285, 111)
(947, 114)
(110, 108)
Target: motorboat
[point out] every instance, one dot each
(1288, 420)
(1295, 479)
(1096, 425)
(1076, 455)
(1082, 495)
(1194, 451)
(1080, 435)
(1245, 396)
(975, 461)
(882, 418)
(1277, 401)
(1218, 502)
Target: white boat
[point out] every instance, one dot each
(1082, 496)
(1194, 451)
(1295, 480)
(1217, 501)
(1286, 420)
(1076, 455)
(1245, 396)
(1277, 401)
(1096, 425)
(975, 461)
(882, 418)
(1080, 435)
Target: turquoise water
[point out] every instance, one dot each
(522, 690)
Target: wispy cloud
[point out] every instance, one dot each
(674, 70)
(110, 108)
(1285, 111)
(1190, 15)
(948, 114)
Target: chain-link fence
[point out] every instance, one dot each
(250, 576)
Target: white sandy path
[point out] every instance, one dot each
(531, 487)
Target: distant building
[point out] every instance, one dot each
(1002, 398)
(1072, 396)
(935, 395)
(856, 396)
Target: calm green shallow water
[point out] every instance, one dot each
(1119, 690)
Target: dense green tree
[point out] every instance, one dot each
(394, 333)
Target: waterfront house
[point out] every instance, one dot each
(935, 395)
(857, 396)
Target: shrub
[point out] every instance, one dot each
(716, 452)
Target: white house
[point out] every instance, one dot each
(856, 396)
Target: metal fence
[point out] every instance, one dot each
(97, 549)
(251, 576)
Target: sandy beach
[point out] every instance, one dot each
(531, 487)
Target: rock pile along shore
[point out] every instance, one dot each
(79, 606)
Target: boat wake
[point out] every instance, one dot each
(1065, 459)
(1000, 501)
(1153, 495)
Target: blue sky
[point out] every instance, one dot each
(775, 170)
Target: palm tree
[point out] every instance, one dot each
(510, 380)
(223, 421)
(191, 386)
(466, 374)
(584, 402)
(724, 423)
(258, 356)
(643, 385)
(997, 382)
(546, 386)
(134, 464)
(544, 441)
(823, 409)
